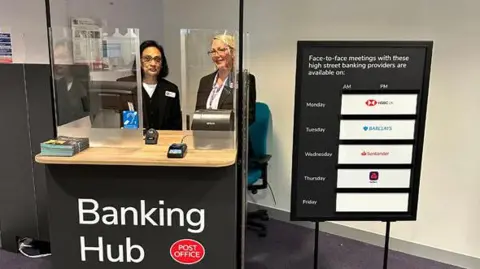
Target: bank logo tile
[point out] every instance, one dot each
(373, 102)
(373, 176)
(375, 153)
(378, 128)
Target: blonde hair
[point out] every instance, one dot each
(229, 40)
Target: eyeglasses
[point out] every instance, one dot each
(221, 51)
(147, 59)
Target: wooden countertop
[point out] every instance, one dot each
(148, 155)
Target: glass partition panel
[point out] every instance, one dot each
(249, 92)
(96, 83)
(210, 87)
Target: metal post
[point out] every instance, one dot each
(385, 250)
(315, 248)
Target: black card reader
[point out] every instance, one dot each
(177, 150)
(151, 137)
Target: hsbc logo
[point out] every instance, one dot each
(373, 102)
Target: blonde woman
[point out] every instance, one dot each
(215, 91)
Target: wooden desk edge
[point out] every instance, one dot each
(65, 161)
(170, 163)
(146, 155)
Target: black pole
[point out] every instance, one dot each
(385, 250)
(50, 57)
(241, 166)
(315, 248)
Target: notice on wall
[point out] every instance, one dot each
(87, 42)
(6, 49)
(360, 111)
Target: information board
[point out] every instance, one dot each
(360, 111)
(6, 48)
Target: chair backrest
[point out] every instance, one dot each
(258, 131)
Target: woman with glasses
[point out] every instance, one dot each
(215, 90)
(161, 98)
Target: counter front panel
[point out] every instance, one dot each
(104, 216)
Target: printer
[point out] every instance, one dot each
(213, 129)
(109, 99)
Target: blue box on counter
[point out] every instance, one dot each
(130, 119)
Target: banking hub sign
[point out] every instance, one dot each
(184, 251)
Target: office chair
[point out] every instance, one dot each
(257, 164)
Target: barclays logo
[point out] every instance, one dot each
(377, 128)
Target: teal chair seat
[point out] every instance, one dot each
(258, 163)
(258, 157)
(254, 175)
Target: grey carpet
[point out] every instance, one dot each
(10, 260)
(288, 246)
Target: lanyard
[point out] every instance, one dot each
(215, 90)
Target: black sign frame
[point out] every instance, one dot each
(418, 141)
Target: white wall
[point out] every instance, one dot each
(449, 203)
(146, 15)
(26, 19)
(191, 14)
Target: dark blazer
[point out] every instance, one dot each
(226, 99)
(169, 109)
(71, 104)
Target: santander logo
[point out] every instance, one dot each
(375, 153)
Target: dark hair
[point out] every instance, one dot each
(164, 67)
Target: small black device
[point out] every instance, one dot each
(177, 150)
(151, 137)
